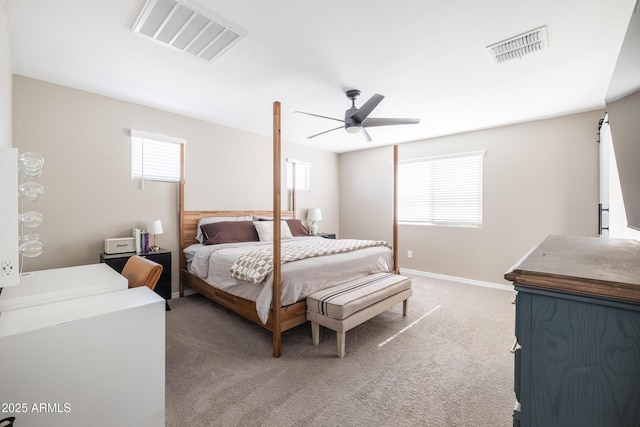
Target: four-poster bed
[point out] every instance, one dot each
(280, 318)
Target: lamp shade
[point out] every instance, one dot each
(314, 214)
(154, 227)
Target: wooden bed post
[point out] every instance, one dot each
(293, 190)
(396, 267)
(277, 206)
(183, 261)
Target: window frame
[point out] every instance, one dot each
(306, 170)
(438, 208)
(138, 162)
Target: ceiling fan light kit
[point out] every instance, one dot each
(353, 128)
(357, 119)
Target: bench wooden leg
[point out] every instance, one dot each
(315, 332)
(405, 307)
(341, 339)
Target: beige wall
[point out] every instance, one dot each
(89, 195)
(540, 178)
(5, 82)
(232, 170)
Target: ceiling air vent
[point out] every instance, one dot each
(184, 27)
(519, 46)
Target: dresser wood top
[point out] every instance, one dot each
(583, 265)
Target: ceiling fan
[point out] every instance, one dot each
(357, 119)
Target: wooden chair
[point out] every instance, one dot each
(141, 271)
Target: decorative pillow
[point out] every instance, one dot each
(265, 230)
(297, 228)
(209, 220)
(215, 233)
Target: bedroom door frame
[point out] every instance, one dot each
(605, 148)
(612, 218)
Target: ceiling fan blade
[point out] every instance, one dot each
(366, 109)
(388, 122)
(318, 115)
(326, 131)
(365, 135)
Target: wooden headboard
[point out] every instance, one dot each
(190, 222)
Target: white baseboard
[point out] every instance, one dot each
(474, 282)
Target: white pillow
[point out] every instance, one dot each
(210, 219)
(265, 230)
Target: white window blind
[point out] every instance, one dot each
(443, 190)
(303, 175)
(155, 157)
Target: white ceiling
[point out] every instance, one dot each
(427, 57)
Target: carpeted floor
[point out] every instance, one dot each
(446, 364)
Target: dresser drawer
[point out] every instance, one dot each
(521, 314)
(516, 415)
(522, 358)
(517, 371)
(579, 360)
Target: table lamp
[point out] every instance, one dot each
(154, 227)
(313, 215)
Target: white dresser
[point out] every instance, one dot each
(77, 348)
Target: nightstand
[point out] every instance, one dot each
(327, 235)
(162, 257)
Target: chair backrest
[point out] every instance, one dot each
(141, 271)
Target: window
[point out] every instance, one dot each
(302, 175)
(155, 157)
(443, 190)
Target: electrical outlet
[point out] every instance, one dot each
(409, 254)
(7, 268)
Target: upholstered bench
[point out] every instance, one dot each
(343, 307)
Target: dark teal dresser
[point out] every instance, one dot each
(577, 357)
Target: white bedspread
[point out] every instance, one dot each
(299, 279)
